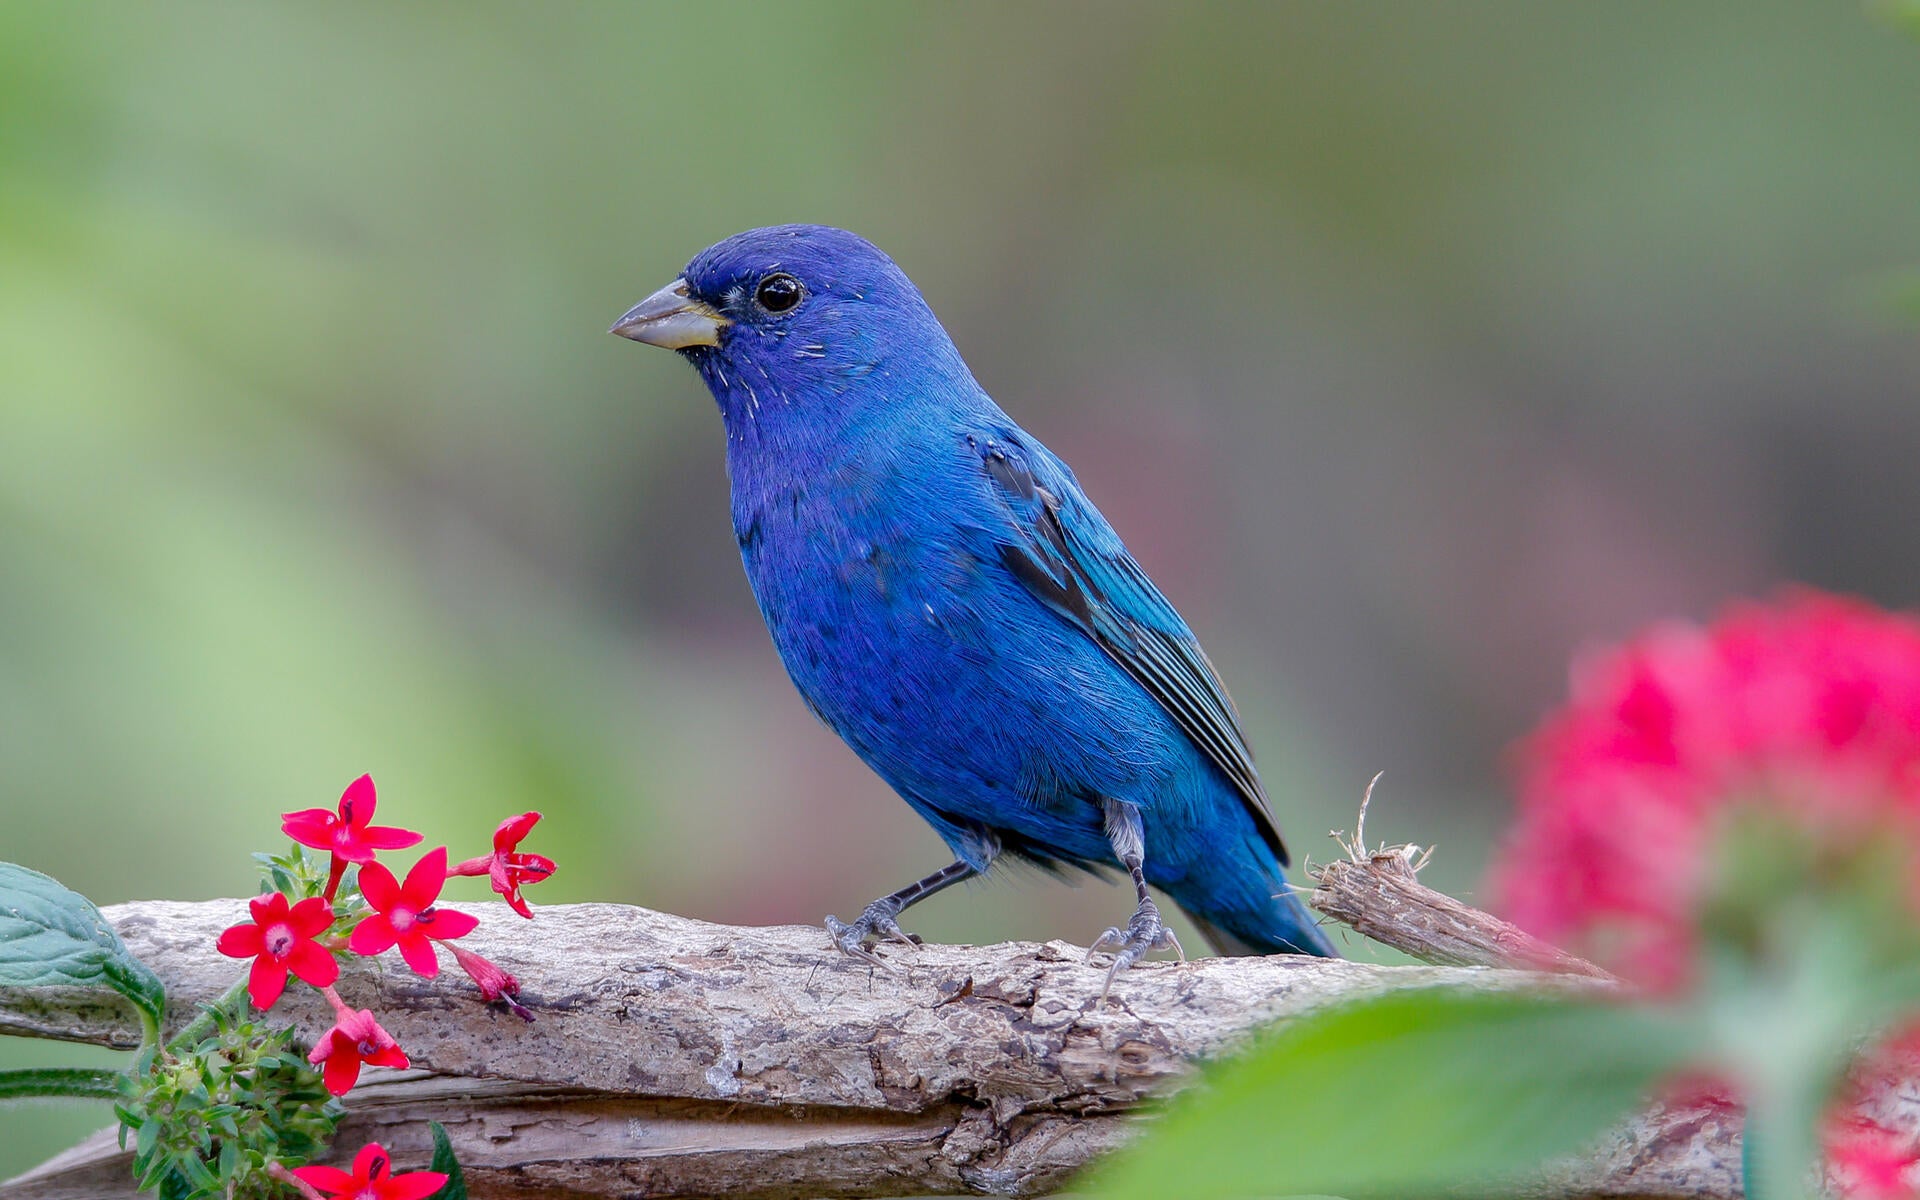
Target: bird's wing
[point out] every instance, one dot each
(1067, 554)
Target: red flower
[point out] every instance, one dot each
(372, 1178)
(355, 1038)
(405, 914)
(507, 868)
(281, 939)
(1810, 706)
(1870, 1161)
(347, 834)
(494, 983)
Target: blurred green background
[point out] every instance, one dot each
(1412, 348)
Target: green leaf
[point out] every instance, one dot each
(1408, 1094)
(455, 1188)
(148, 1138)
(199, 1177)
(175, 1187)
(51, 936)
(60, 1081)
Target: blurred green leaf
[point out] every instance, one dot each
(444, 1162)
(1408, 1094)
(51, 936)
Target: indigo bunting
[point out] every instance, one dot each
(948, 601)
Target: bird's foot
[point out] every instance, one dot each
(877, 923)
(1145, 933)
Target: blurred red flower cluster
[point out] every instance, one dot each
(1810, 706)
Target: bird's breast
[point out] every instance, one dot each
(869, 586)
(821, 564)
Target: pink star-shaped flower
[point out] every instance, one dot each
(355, 1038)
(405, 915)
(280, 939)
(372, 1178)
(346, 833)
(507, 868)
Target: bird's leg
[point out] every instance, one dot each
(880, 918)
(1146, 931)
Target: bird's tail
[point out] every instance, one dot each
(1283, 926)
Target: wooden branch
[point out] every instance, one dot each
(677, 1058)
(1377, 893)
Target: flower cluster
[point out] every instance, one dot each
(1809, 709)
(305, 935)
(1790, 731)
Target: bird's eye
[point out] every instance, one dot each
(778, 293)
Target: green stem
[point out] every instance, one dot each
(200, 1025)
(1779, 1149)
(86, 1083)
(150, 1034)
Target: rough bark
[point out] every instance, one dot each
(672, 1057)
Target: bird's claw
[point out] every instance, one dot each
(877, 923)
(1146, 932)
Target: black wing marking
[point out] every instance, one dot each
(1066, 554)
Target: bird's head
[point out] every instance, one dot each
(797, 316)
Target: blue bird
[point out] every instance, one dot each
(950, 603)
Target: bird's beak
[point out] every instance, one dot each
(673, 319)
